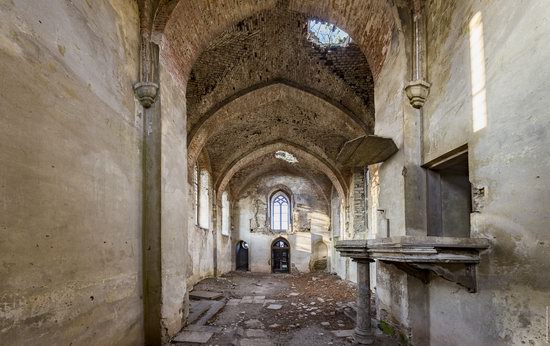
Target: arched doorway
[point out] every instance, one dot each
(320, 256)
(280, 256)
(242, 256)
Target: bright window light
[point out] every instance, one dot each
(327, 35)
(477, 63)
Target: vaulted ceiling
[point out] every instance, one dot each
(260, 83)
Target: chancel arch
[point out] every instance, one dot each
(324, 166)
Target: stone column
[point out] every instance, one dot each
(414, 175)
(363, 332)
(146, 92)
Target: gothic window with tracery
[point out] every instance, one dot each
(280, 212)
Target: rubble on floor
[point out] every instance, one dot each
(273, 309)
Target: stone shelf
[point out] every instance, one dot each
(366, 150)
(453, 259)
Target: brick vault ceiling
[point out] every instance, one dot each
(268, 48)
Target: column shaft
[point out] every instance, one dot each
(363, 333)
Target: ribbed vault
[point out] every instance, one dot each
(276, 111)
(268, 165)
(252, 162)
(274, 45)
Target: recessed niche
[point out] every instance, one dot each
(449, 196)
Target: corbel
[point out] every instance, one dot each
(418, 88)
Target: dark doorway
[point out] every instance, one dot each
(242, 256)
(280, 256)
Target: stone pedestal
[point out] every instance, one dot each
(363, 332)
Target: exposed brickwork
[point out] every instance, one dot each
(359, 199)
(320, 133)
(225, 49)
(190, 27)
(273, 45)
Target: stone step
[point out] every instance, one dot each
(197, 309)
(205, 329)
(199, 295)
(193, 337)
(215, 307)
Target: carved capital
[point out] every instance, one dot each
(417, 91)
(146, 93)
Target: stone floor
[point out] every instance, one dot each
(278, 309)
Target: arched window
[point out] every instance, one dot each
(196, 193)
(226, 219)
(280, 244)
(204, 199)
(280, 212)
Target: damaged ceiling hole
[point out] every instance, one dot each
(286, 156)
(325, 34)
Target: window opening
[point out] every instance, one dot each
(196, 193)
(280, 217)
(204, 199)
(226, 215)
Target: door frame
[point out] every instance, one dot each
(272, 248)
(239, 247)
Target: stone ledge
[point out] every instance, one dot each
(415, 249)
(420, 256)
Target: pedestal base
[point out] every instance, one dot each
(363, 337)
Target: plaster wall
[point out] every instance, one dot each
(201, 243)
(387, 182)
(338, 265)
(70, 174)
(508, 156)
(310, 223)
(174, 204)
(225, 254)
(201, 254)
(509, 307)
